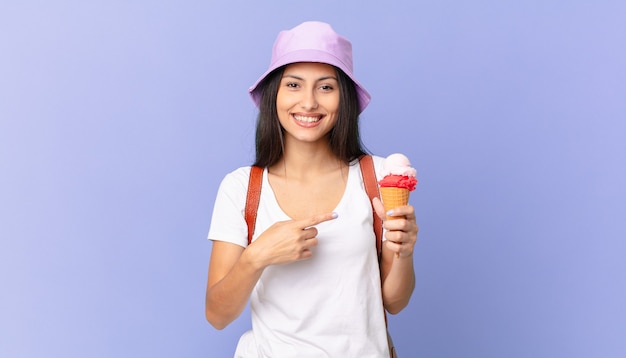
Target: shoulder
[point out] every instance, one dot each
(378, 164)
(234, 185)
(378, 161)
(237, 178)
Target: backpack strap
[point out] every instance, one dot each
(371, 188)
(252, 199)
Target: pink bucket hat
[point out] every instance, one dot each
(312, 41)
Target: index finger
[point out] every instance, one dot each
(407, 211)
(318, 219)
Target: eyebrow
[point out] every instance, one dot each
(319, 79)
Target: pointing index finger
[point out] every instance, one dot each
(318, 219)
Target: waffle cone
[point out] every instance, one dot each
(393, 198)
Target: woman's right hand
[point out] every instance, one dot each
(286, 241)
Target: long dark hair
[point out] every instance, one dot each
(344, 138)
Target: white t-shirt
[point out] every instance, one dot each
(326, 306)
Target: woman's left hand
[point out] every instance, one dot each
(401, 233)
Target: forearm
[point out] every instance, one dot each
(227, 298)
(398, 281)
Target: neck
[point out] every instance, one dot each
(303, 159)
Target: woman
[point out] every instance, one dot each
(311, 272)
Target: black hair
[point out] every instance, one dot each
(344, 138)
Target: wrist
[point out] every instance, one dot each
(249, 258)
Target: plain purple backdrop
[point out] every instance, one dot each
(118, 120)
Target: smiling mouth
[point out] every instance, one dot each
(307, 119)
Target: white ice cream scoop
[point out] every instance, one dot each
(398, 164)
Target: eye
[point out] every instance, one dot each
(291, 85)
(327, 88)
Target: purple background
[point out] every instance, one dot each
(118, 119)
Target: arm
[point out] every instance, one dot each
(397, 273)
(234, 270)
(230, 281)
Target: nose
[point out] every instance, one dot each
(309, 100)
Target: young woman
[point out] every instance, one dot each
(311, 273)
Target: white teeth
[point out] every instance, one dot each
(306, 119)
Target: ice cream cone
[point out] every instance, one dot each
(393, 198)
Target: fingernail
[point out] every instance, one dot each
(390, 212)
(335, 215)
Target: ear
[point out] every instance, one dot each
(379, 208)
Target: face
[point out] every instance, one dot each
(307, 101)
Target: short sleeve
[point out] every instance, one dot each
(228, 221)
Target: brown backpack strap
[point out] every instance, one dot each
(371, 188)
(252, 199)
